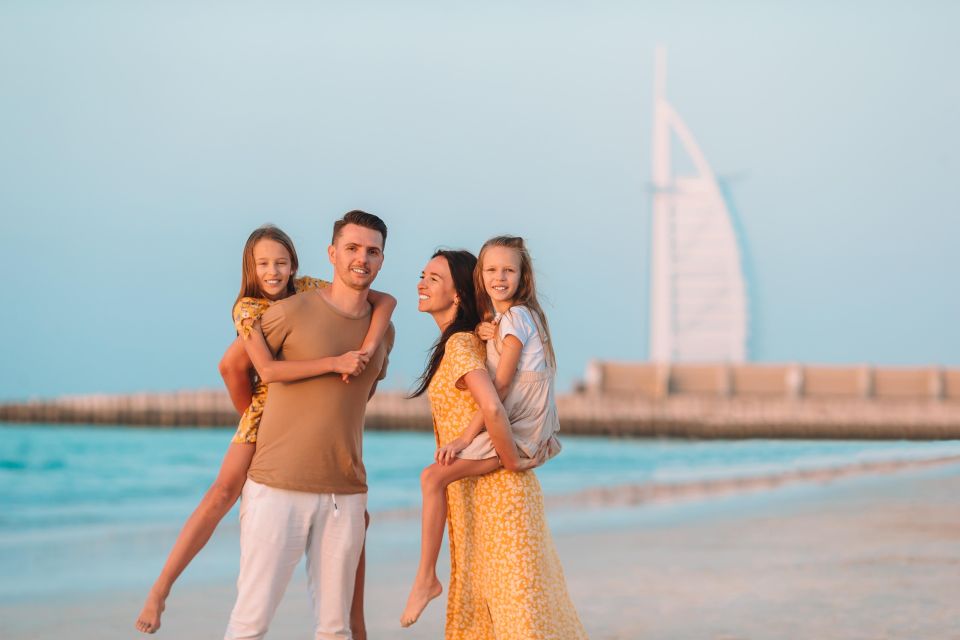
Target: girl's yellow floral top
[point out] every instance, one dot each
(245, 313)
(506, 581)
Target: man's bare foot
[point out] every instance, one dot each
(420, 597)
(149, 619)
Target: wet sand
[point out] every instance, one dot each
(846, 557)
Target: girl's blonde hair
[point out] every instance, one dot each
(249, 283)
(526, 294)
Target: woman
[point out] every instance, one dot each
(506, 581)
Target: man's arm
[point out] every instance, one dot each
(235, 371)
(495, 417)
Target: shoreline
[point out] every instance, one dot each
(633, 495)
(860, 555)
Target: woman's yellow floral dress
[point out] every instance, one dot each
(506, 582)
(245, 312)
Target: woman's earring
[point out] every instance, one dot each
(456, 301)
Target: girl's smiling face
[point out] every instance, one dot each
(501, 275)
(274, 267)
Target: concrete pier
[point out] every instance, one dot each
(626, 399)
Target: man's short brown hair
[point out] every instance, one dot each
(361, 219)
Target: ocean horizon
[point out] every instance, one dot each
(93, 508)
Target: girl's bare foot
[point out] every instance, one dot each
(149, 619)
(420, 597)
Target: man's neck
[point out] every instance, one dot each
(347, 299)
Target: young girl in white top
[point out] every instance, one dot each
(521, 360)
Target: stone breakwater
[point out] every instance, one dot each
(203, 408)
(589, 413)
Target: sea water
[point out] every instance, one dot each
(87, 508)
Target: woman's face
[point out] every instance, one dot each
(436, 290)
(273, 267)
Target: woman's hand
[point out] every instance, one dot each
(525, 464)
(448, 452)
(351, 363)
(486, 330)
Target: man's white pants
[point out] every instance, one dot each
(277, 527)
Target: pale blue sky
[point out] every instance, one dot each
(141, 142)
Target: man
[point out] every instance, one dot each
(306, 490)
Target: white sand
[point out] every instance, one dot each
(855, 557)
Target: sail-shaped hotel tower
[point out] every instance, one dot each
(698, 299)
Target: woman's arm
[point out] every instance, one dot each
(235, 371)
(448, 452)
(270, 370)
(506, 370)
(495, 418)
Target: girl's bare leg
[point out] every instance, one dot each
(433, 483)
(220, 497)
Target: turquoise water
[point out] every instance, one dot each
(94, 507)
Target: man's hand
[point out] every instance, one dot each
(448, 452)
(351, 363)
(486, 330)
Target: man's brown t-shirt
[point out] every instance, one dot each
(311, 433)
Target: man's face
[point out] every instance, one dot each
(356, 256)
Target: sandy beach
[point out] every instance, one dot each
(874, 555)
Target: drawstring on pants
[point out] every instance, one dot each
(336, 509)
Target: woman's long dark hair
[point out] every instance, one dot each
(461, 263)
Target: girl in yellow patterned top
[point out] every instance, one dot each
(506, 581)
(269, 274)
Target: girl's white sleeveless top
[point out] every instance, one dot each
(530, 404)
(518, 322)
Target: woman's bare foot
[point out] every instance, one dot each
(149, 619)
(420, 597)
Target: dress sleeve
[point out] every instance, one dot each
(246, 312)
(516, 322)
(464, 353)
(306, 283)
